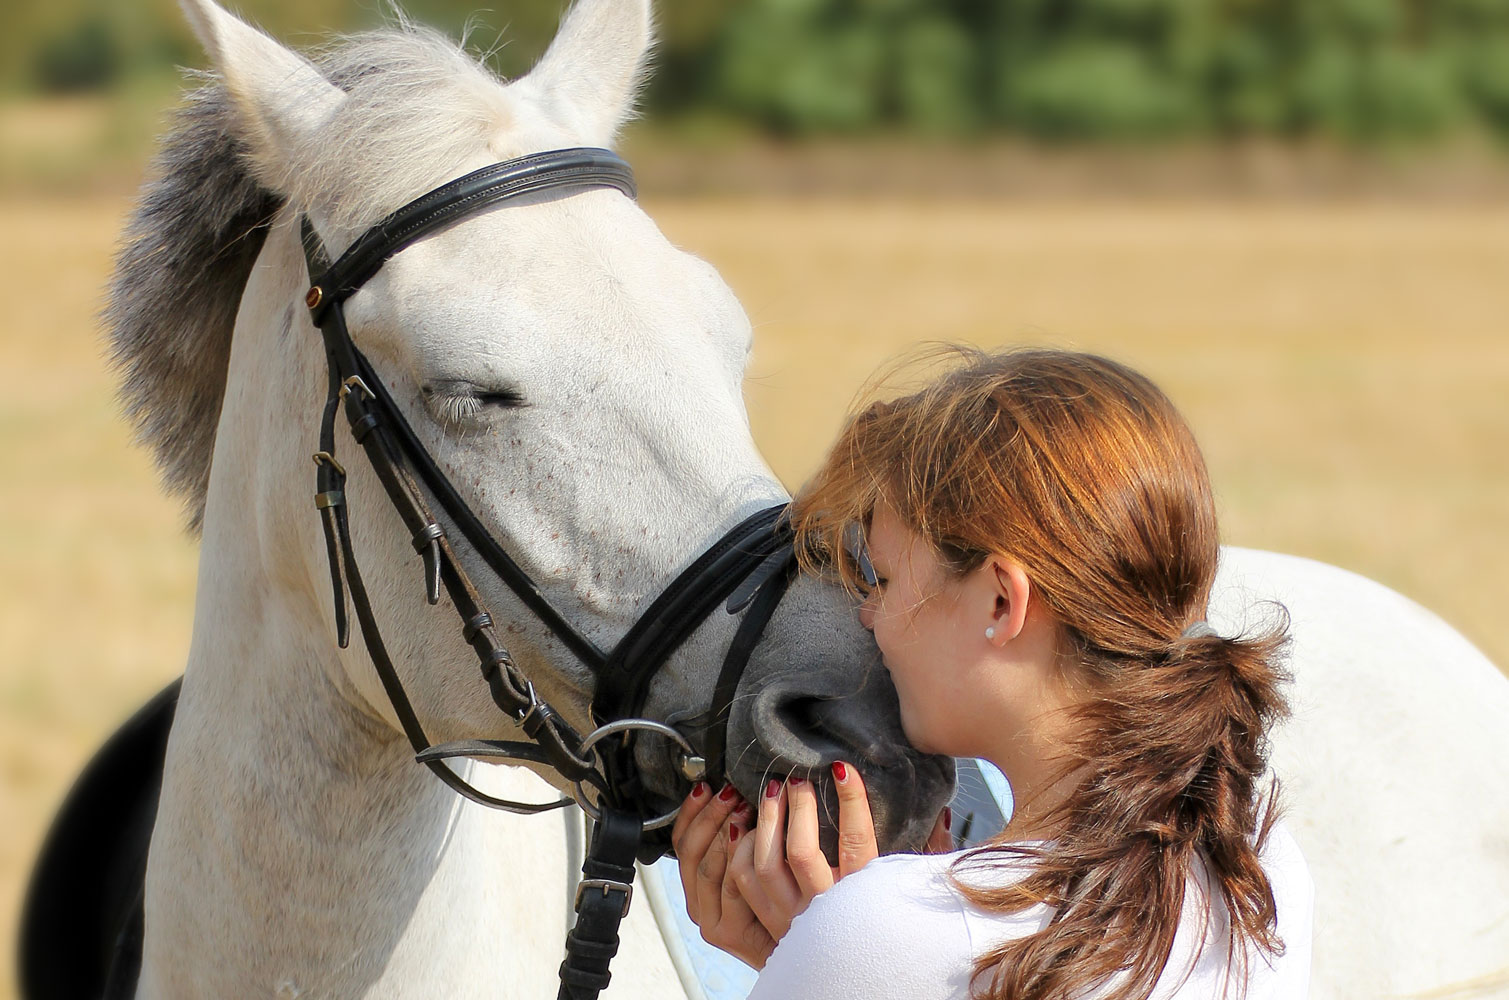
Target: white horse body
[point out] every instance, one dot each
(1395, 771)
(300, 852)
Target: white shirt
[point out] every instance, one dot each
(898, 930)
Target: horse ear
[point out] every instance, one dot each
(282, 98)
(588, 80)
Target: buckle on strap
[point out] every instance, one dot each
(607, 885)
(354, 383)
(325, 458)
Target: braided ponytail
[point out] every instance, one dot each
(1083, 472)
(1173, 750)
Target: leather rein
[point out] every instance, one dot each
(747, 570)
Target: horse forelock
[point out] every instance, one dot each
(417, 106)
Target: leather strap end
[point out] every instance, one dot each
(432, 573)
(746, 592)
(331, 520)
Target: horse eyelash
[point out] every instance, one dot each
(508, 399)
(455, 405)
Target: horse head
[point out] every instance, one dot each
(574, 375)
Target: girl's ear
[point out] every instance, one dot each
(1012, 592)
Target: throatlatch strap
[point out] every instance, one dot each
(602, 901)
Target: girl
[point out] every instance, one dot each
(1034, 538)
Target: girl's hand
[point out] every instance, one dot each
(707, 829)
(782, 867)
(743, 889)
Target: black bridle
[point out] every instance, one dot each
(747, 570)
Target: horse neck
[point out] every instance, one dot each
(298, 848)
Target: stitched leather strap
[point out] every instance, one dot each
(466, 196)
(470, 526)
(602, 900)
(751, 562)
(744, 561)
(675, 614)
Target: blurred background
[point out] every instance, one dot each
(1293, 214)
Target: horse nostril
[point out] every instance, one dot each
(813, 731)
(793, 728)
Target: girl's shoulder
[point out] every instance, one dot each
(894, 891)
(910, 897)
(900, 928)
(933, 879)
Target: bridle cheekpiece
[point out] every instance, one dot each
(747, 570)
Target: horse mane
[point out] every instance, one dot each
(416, 106)
(186, 253)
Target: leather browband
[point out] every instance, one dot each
(568, 168)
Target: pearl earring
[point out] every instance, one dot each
(990, 633)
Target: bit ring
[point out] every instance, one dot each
(623, 726)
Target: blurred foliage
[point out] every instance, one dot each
(1357, 70)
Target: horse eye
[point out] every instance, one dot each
(507, 399)
(456, 402)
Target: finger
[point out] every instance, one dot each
(804, 853)
(695, 837)
(941, 840)
(707, 885)
(739, 931)
(694, 832)
(772, 915)
(768, 860)
(856, 827)
(696, 800)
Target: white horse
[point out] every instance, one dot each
(578, 378)
(299, 852)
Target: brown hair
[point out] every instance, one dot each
(1082, 471)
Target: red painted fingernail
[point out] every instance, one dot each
(840, 772)
(699, 789)
(772, 788)
(797, 780)
(948, 818)
(728, 794)
(733, 833)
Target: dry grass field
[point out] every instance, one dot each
(1345, 364)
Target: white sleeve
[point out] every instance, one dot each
(874, 936)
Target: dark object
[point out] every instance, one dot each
(602, 901)
(82, 920)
